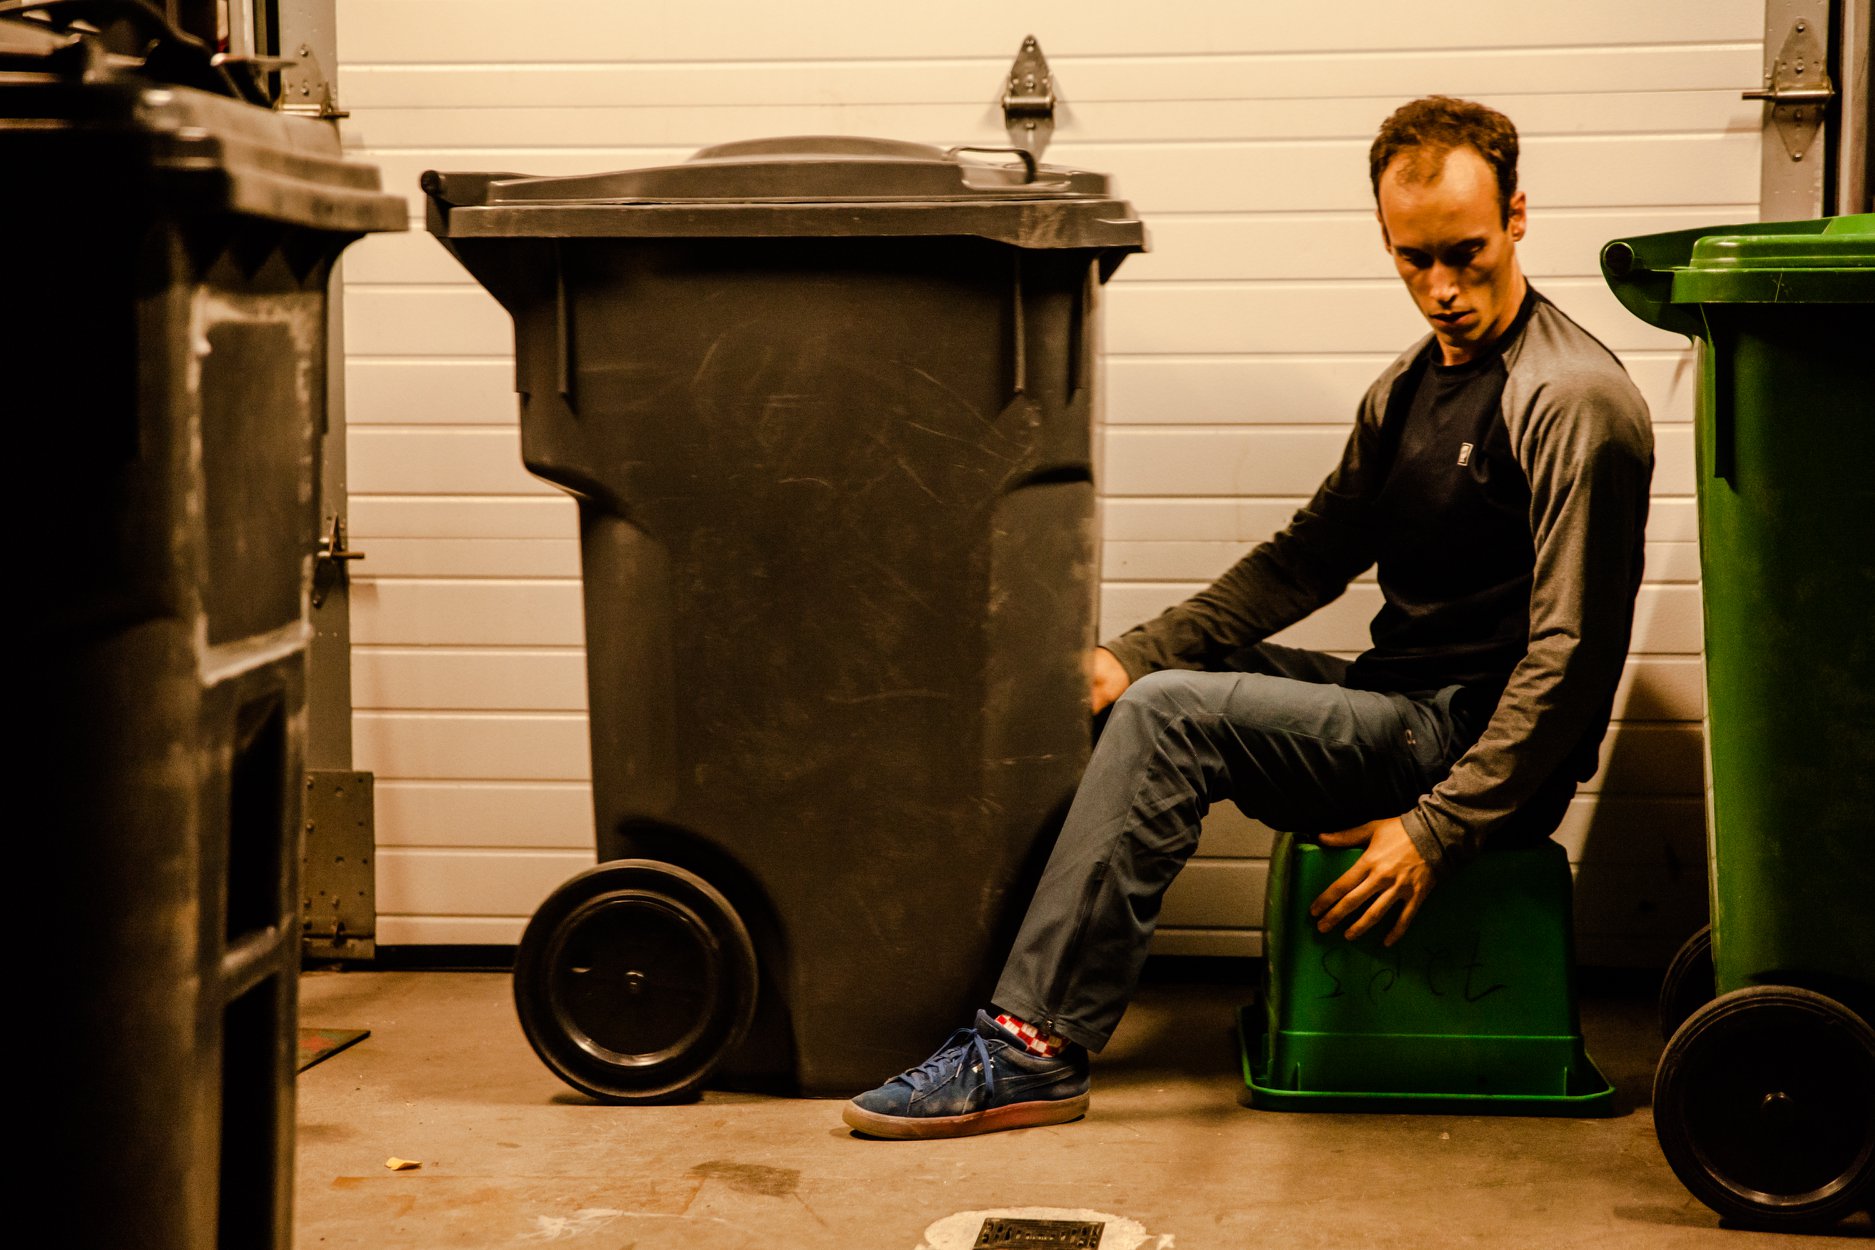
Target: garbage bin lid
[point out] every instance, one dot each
(814, 185)
(81, 123)
(806, 169)
(1830, 261)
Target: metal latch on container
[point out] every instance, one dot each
(329, 561)
(1798, 88)
(251, 67)
(1029, 100)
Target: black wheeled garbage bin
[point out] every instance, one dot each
(163, 376)
(827, 408)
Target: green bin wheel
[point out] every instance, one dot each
(634, 980)
(1764, 1103)
(1689, 983)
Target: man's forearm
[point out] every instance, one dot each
(1308, 564)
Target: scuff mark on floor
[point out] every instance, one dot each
(750, 1178)
(562, 1227)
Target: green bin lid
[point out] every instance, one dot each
(808, 186)
(1833, 265)
(1661, 277)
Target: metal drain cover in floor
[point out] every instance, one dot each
(1001, 1233)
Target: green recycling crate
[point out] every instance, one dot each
(1765, 1097)
(1473, 1010)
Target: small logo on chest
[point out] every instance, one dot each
(1464, 454)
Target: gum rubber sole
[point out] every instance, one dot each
(1015, 1115)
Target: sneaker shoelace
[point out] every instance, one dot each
(950, 1057)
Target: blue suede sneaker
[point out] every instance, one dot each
(980, 1080)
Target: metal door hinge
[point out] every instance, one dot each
(1798, 89)
(330, 560)
(306, 89)
(339, 912)
(1029, 99)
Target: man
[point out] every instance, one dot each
(1497, 476)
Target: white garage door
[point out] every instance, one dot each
(1236, 351)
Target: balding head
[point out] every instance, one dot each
(1417, 138)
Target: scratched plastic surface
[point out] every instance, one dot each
(837, 522)
(1474, 1007)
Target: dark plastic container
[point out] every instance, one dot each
(1765, 1097)
(167, 255)
(827, 407)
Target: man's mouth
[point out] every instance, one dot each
(1450, 320)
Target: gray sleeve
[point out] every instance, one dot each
(1584, 442)
(1309, 563)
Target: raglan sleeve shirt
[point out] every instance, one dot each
(1583, 439)
(1581, 434)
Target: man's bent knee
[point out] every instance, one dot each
(1174, 692)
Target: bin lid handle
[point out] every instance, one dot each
(1028, 157)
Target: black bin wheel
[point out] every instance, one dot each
(1764, 1103)
(1689, 984)
(634, 980)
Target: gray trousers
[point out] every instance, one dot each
(1277, 737)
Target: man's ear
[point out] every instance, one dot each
(1519, 217)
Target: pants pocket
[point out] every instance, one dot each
(1431, 733)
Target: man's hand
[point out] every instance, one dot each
(1108, 677)
(1390, 872)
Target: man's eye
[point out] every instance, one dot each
(1418, 260)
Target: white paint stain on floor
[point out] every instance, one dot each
(561, 1227)
(959, 1231)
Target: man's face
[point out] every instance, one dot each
(1452, 247)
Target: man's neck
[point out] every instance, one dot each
(1450, 354)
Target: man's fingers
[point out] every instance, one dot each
(1351, 902)
(1389, 873)
(1342, 884)
(1107, 678)
(1382, 904)
(1407, 913)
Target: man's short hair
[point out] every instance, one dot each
(1432, 127)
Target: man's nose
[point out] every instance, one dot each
(1444, 283)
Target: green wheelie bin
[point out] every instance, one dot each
(1764, 1100)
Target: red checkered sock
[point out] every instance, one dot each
(1035, 1041)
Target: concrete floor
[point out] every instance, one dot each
(1169, 1155)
